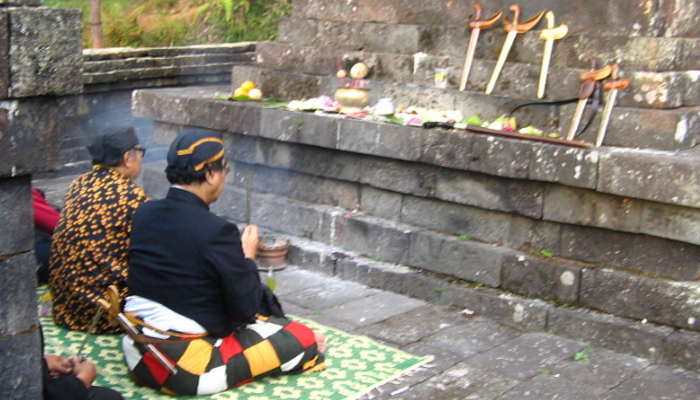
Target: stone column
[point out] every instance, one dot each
(41, 59)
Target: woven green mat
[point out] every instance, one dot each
(356, 365)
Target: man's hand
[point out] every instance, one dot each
(58, 365)
(84, 370)
(249, 241)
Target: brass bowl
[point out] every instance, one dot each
(352, 97)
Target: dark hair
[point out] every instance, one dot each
(187, 175)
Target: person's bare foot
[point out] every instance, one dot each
(320, 342)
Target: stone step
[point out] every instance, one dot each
(153, 73)
(117, 53)
(629, 127)
(160, 62)
(663, 344)
(648, 90)
(635, 17)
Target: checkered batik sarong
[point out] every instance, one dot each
(209, 365)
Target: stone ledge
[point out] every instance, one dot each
(117, 53)
(668, 130)
(107, 66)
(151, 73)
(642, 298)
(581, 166)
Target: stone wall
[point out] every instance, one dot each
(494, 223)
(404, 40)
(43, 60)
(110, 75)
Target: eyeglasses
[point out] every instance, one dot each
(141, 149)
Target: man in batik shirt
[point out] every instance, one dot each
(91, 242)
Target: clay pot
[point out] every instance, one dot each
(272, 253)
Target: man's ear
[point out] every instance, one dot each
(209, 175)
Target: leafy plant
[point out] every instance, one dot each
(181, 22)
(464, 237)
(438, 289)
(581, 356)
(546, 253)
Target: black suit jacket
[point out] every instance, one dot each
(191, 261)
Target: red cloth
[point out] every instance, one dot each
(45, 216)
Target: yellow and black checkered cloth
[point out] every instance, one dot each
(271, 346)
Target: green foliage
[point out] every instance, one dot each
(464, 237)
(154, 23)
(546, 253)
(581, 356)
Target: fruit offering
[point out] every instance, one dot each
(247, 91)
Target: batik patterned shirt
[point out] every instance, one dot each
(90, 246)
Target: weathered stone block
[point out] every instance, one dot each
(242, 148)
(17, 234)
(357, 136)
(313, 256)
(380, 203)
(566, 165)
(280, 125)
(436, 12)
(390, 38)
(483, 225)
(232, 205)
(610, 332)
(639, 297)
(671, 222)
(153, 180)
(464, 259)
(398, 142)
(19, 3)
(4, 61)
(663, 177)
(20, 374)
(372, 237)
(680, 348)
(399, 176)
(633, 252)
(29, 136)
(356, 10)
(45, 51)
(644, 129)
(502, 157)
(452, 149)
(317, 130)
(288, 32)
(509, 309)
(223, 115)
(548, 279)
(18, 294)
(299, 186)
(161, 105)
(585, 207)
(292, 218)
(534, 236)
(491, 193)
